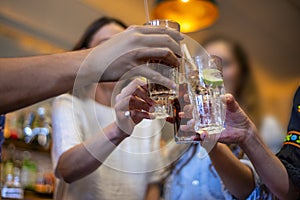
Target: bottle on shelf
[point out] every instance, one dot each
(12, 188)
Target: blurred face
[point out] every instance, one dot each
(105, 33)
(231, 69)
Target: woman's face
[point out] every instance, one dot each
(105, 33)
(231, 69)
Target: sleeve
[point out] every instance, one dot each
(2, 122)
(290, 152)
(66, 127)
(290, 157)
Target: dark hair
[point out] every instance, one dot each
(93, 28)
(84, 43)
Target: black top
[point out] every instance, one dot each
(2, 122)
(290, 152)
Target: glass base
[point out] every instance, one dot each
(161, 112)
(212, 129)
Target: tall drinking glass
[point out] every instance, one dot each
(159, 93)
(206, 87)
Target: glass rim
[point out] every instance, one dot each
(164, 22)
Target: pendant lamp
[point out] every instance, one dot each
(192, 15)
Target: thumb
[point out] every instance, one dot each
(231, 104)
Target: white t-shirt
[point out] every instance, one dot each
(126, 172)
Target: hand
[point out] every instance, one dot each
(238, 125)
(134, 47)
(132, 106)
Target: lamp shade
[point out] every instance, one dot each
(192, 15)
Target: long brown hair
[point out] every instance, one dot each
(246, 94)
(83, 43)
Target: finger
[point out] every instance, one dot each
(130, 88)
(137, 88)
(137, 116)
(176, 35)
(188, 111)
(186, 98)
(139, 104)
(154, 76)
(142, 93)
(170, 119)
(122, 104)
(132, 102)
(189, 125)
(231, 103)
(162, 41)
(157, 53)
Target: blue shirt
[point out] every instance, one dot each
(198, 179)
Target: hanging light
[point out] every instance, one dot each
(192, 15)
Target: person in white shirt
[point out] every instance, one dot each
(93, 155)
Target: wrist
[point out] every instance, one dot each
(116, 134)
(251, 136)
(215, 150)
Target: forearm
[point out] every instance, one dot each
(269, 168)
(27, 80)
(236, 176)
(85, 158)
(153, 192)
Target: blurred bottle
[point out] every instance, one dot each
(37, 127)
(45, 182)
(28, 171)
(12, 188)
(8, 163)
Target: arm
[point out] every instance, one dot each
(269, 168)
(153, 192)
(239, 129)
(83, 158)
(236, 176)
(86, 157)
(25, 81)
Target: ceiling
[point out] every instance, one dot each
(269, 30)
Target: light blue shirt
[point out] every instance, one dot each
(198, 179)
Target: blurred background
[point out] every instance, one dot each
(269, 30)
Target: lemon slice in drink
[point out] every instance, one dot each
(212, 77)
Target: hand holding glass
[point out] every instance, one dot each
(159, 93)
(205, 87)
